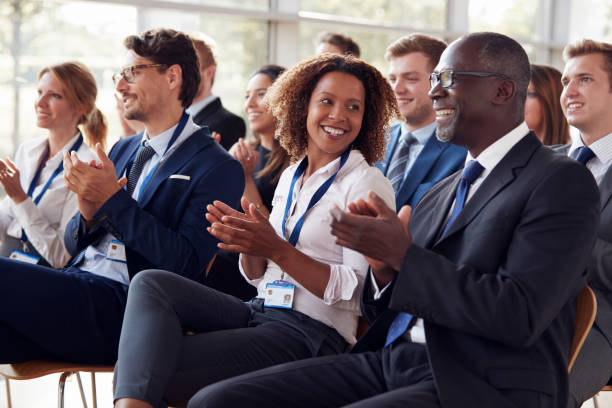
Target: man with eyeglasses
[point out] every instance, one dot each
(490, 262)
(140, 207)
(415, 159)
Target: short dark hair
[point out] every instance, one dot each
(431, 47)
(169, 47)
(503, 55)
(344, 42)
(271, 71)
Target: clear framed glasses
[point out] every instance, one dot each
(129, 73)
(447, 78)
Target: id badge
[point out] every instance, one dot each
(24, 257)
(279, 294)
(116, 251)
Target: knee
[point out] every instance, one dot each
(149, 279)
(211, 396)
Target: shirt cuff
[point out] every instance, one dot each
(341, 285)
(376, 292)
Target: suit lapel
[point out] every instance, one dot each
(605, 188)
(502, 175)
(393, 138)
(174, 162)
(423, 163)
(130, 151)
(208, 111)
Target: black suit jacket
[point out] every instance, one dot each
(497, 292)
(218, 119)
(600, 265)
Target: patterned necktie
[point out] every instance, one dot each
(143, 156)
(584, 154)
(398, 327)
(398, 165)
(471, 172)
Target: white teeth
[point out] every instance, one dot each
(333, 131)
(575, 105)
(444, 112)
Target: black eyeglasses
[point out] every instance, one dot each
(447, 78)
(129, 73)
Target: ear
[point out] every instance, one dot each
(209, 72)
(505, 92)
(174, 75)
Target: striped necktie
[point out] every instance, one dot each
(397, 167)
(144, 155)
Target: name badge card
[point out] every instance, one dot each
(279, 294)
(116, 251)
(24, 257)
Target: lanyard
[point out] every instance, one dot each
(295, 234)
(57, 171)
(175, 135)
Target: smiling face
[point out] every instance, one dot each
(587, 97)
(463, 110)
(260, 119)
(409, 77)
(144, 97)
(335, 113)
(53, 110)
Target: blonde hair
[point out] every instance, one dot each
(80, 88)
(585, 47)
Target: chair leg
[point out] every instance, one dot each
(78, 376)
(60, 389)
(9, 403)
(94, 394)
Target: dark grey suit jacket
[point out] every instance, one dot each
(600, 266)
(218, 119)
(497, 292)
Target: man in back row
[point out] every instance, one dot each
(141, 207)
(474, 304)
(415, 159)
(586, 101)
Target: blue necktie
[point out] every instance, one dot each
(398, 327)
(397, 167)
(584, 154)
(471, 172)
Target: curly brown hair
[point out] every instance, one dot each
(289, 97)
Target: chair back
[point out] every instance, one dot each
(586, 308)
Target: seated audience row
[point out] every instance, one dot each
(481, 264)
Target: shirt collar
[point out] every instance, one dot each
(198, 106)
(159, 142)
(422, 134)
(601, 147)
(492, 155)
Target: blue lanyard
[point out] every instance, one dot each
(295, 234)
(57, 171)
(175, 135)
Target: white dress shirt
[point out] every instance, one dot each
(44, 223)
(602, 148)
(339, 307)
(489, 158)
(95, 260)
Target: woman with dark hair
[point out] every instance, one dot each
(34, 214)
(332, 114)
(543, 112)
(263, 161)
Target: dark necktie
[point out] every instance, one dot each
(471, 172)
(143, 156)
(398, 166)
(584, 154)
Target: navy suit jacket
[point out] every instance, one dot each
(436, 161)
(218, 119)
(166, 228)
(497, 292)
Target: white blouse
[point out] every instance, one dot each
(339, 307)
(44, 223)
